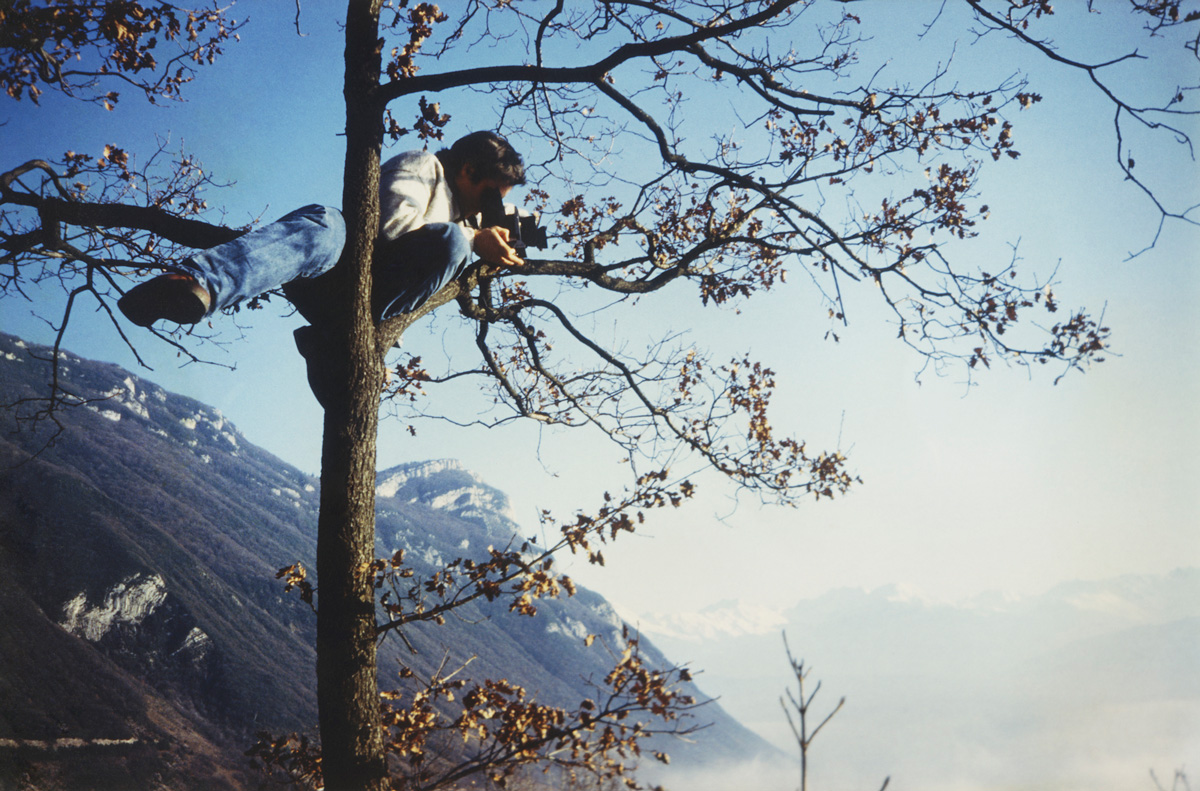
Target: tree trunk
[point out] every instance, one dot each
(347, 686)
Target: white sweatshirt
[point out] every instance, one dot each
(413, 192)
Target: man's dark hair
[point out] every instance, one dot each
(488, 155)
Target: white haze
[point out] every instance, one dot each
(1087, 686)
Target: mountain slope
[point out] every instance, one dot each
(144, 634)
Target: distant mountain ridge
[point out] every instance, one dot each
(445, 485)
(1087, 685)
(144, 634)
(1125, 601)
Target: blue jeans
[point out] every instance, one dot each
(308, 242)
(413, 267)
(303, 243)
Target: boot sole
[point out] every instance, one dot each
(175, 298)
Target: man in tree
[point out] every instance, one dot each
(428, 230)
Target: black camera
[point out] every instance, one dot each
(523, 228)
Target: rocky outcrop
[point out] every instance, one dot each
(445, 485)
(127, 602)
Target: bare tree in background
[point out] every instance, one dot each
(801, 722)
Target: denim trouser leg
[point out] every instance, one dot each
(303, 243)
(415, 266)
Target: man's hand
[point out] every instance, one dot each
(491, 244)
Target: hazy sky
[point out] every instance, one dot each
(1015, 485)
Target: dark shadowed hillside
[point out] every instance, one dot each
(144, 635)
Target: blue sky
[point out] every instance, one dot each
(1014, 484)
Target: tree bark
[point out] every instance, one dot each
(181, 230)
(347, 686)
